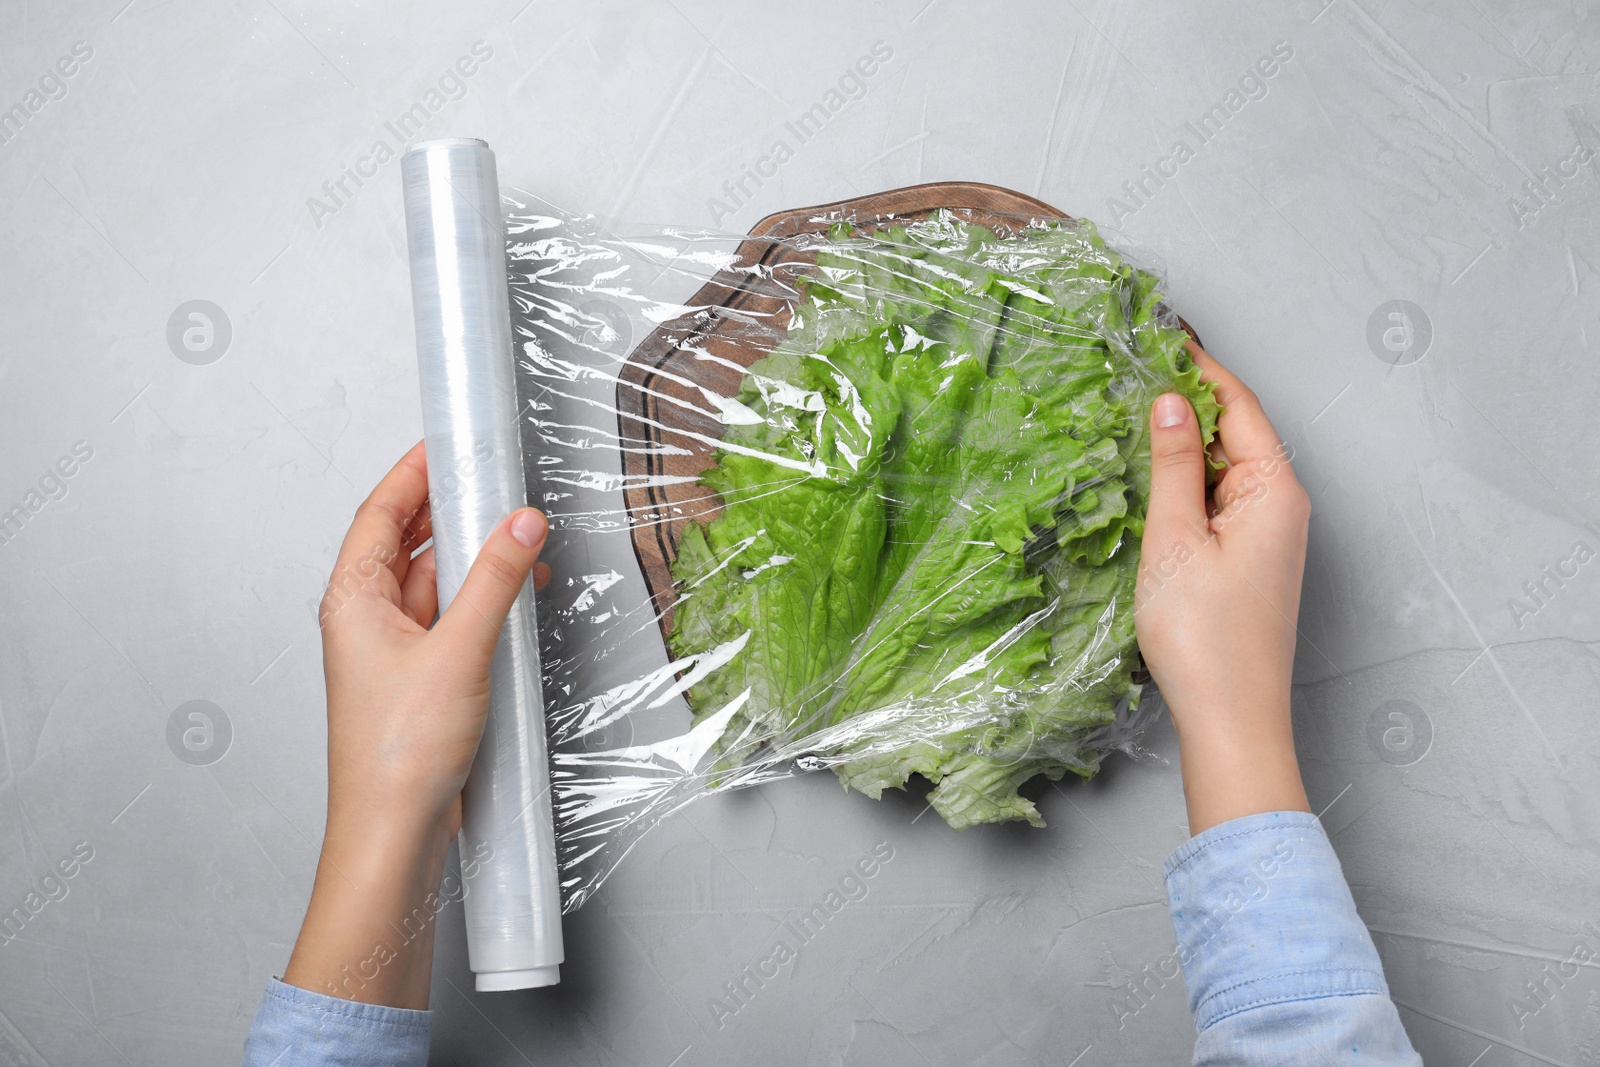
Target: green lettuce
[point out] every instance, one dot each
(926, 557)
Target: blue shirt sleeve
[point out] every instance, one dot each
(1278, 964)
(298, 1028)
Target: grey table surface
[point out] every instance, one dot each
(1432, 152)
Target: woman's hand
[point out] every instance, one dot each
(406, 709)
(1217, 599)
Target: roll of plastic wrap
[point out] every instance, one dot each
(469, 413)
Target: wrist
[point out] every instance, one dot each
(368, 931)
(1242, 767)
(395, 837)
(369, 802)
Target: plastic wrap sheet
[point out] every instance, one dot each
(883, 476)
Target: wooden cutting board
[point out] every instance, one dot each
(668, 439)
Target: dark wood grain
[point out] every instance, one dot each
(668, 441)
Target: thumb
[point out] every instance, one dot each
(1177, 472)
(472, 622)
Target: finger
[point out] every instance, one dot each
(1177, 509)
(384, 524)
(418, 532)
(419, 589)
(471, 625)
(1244, 429)
(541, 575)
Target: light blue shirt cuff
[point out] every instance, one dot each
(298, 1028)
(1263, 916)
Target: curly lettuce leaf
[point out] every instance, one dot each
(926, 556)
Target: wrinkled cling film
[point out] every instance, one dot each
(862, 493)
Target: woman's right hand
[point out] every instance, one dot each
(1217, 598)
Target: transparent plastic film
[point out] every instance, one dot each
(862, 490)
(475, 479)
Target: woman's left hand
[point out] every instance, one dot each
(406, 709)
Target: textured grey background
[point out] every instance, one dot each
(1386, 161)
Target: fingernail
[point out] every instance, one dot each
(1171, 410)
(529, 527)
